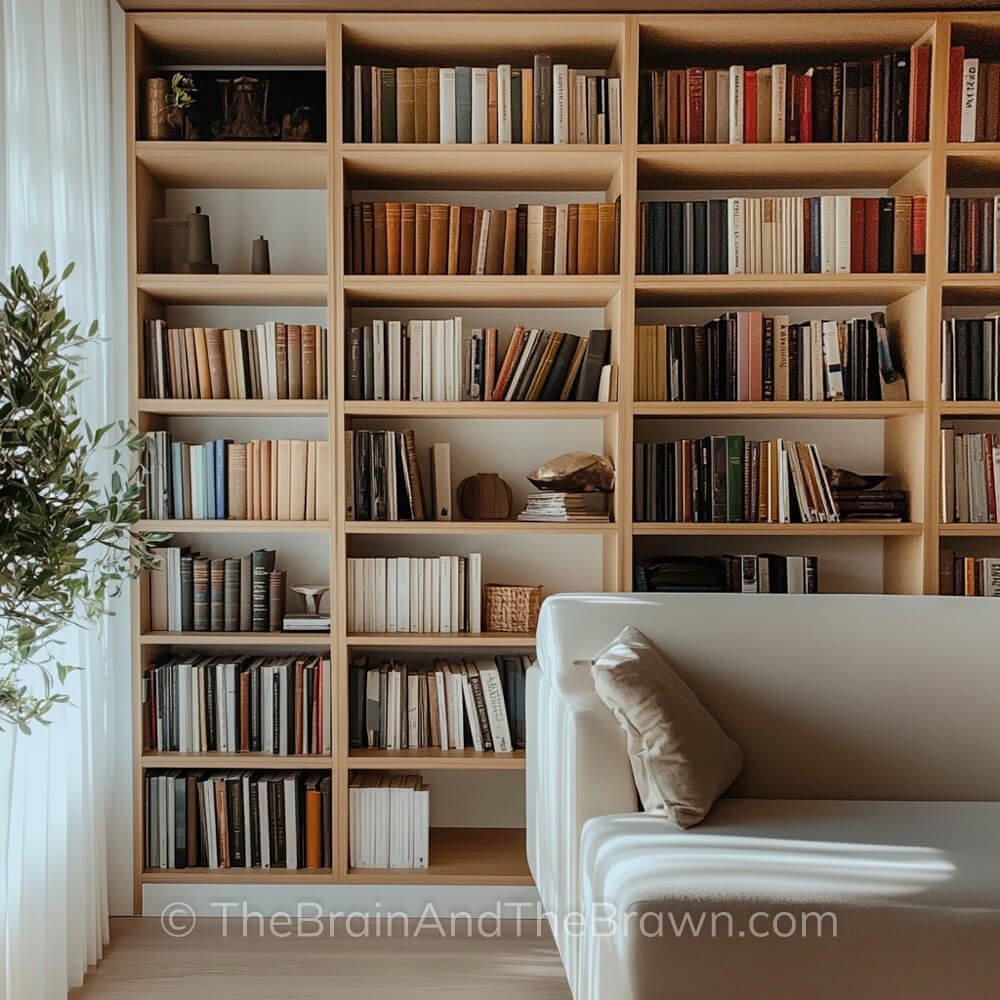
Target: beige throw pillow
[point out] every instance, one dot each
(681, 759)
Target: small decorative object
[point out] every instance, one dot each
(244, 109)
(296, 126)
(199, 244)
(167, 106)
(510, 608)
(260, 257)
(311, 620)
(156, 108)
(170, 245)
(484, 497)
(575, 472)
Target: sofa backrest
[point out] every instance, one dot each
(862, 697)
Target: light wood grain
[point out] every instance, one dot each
(430, 759)
(289, 640)
(481, 410)
(444, 640)
(235, 407)
(849, 529)
(222, 526)
(235, 289)
(235, 164)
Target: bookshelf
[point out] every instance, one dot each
(902, 437)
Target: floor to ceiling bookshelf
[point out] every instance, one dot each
(900, 558)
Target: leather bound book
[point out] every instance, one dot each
(281, 358)
(433, 105)
(463, 104)
(871, 235)
(645, 106)
(368, 237)
(672, 105)
(275, 600)
(992, 80)
(956, 78)
(216, 363)
(695, 96)
(407, 238)
(466, 224)
(559, 368)
(542, 98)
(509, 362)
(857, 235)
(204, 382)
(293, 338)
(353, 363)
(392, 225)
(263, 564)
(422, 237)
(920, 93)
(548, 239)
(217, 595)
(865, 85)
(918, 262)
(521, 241)
(902, 245)
(236, 488)
(420, 104)
(413, 468)
(527, 106)
(309, 335)
(544, 369)
(380, 244)
(572, 231)
(595, 358)
(357, 259)
(509, 242)
(437, 260)
(314, 824)
(900, 96)
(606, 237)
(495, 242)
(363, 130)
(492, 107)
(405, 107)
(246, 593)
(886, 225)
(849, 106)
(822, 104)
(478, 216)
(586, 247)
(533, 248)
(199, 592)
(576, 362)
(387, 105)
(454, 237)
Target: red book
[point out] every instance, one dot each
(956, 62)
(871, 235)
(857, 236)
(695, 105)
(750, 105)
(919, 236)
(920, 92)
(806, 108)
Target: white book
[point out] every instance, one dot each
(580, 109)
(737, 248)
(378, 359)
(480, 104)
(421, 826)
(230, 672)
(184, 742)
(417, 623)
(353, 817)
(533, 263)
(381, 819)
(827, 233)
(391, 596)
(778, 85)
(260, 338)
(457, 580)
(504, 121)
(211, 822)
(470, 708)
(264, 824)
(444, 594)
(379, 595)
(796, 574)
(560, 104)
(402, 575)
(480, 250)
(562, 224)
(439, 679)
(456, 706)
(842, 255)
(426, 354)
(437, 360)
(369, 593)
(446, 103)
(970, 90)
(396, 810)
(475, 598)
(496, 707)
(615, 109)
(326, 684)
(432, 569)
(414, 330)
(735, 105)
(832, 361)
(271, 342)
(394, 338)
(291, 822)
(413, 710)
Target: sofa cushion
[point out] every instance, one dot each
(681, 759)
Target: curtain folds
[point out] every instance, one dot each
(56, 195)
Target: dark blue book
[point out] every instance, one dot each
(221, 470)
(208, 474)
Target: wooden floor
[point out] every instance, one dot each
(142, 961)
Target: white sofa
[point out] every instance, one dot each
(870, 728)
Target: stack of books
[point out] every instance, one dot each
(749, 356)
(237, 704)
(970, 359)
(189, 592)
(829, 234)
(423, 238)
(731, 479)
(970, 463)
(737, 574)
(237, 819)
(444, 361)
(973, 235)
(869, 499)
(449, 704)
(973, 98)
(550, 505)
(415, 594)
(969, 576)
(886, 99)
(267, 361)
(390, 819)
(383, 476)
(253, 480)
(544, 103)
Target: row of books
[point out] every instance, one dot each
(189, 592)
(423, 238)
(389, 821)
(544, 103)
(867, 498)
(441, 360)
(553, 506)
(973, 234)
(449, 705)
(733, 574)
(286, 480)
(237, 819)
(415, 594)
(970, 359)
(829, 234)
(198, 703)
(886, 99)
(747, 356)
(973, 98)
(968, 576)
(269, 360)
(383, 477)
(731, 479)
(970, 466)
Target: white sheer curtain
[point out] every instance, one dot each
(56, 195)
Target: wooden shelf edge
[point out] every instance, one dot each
(257, 761)
(842, 528)
(478, 528)
(499, 640)
(964, 530)
(777, 408)
(235, 407)
(480, 410)
(226, 526)
(230, 876)
(294, 640)
(435, 760)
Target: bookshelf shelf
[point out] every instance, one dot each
(969, 530)
(465, 289)
(477, 528)
(480, 167)
(428, 759)
(843, 528)
(483, 410)
(235, 164)
(235, 407)
(971, 289)
(235, 876)
(462, 856)
(236, 289)
(265, 761)
(793, 410)
(973, 164)
(969, 408)
(227, 527)
(443, 640)
(274, 640)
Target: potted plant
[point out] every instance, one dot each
(67, 531)
(179, 100)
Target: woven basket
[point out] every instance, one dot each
(510, 608)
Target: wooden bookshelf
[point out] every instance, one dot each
(907, 554)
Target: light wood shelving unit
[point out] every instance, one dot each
(914, 304)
